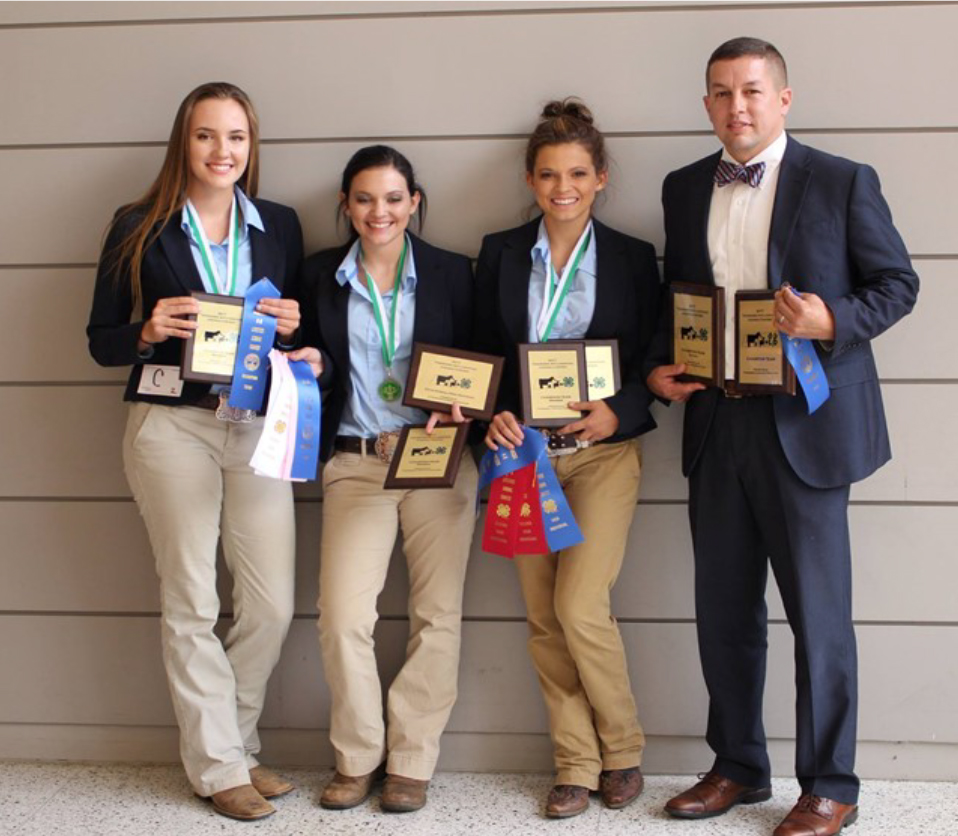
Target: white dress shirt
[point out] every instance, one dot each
(739, 220)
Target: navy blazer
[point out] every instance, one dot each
(626, 309)
(168, 269)
(444, 289)
(831, 234)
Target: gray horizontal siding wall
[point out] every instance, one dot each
(88, 96)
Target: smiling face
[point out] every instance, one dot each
(565, 182)
(219, 145)
(379, 206)
(747, 102)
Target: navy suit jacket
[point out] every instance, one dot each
(168, 269)
(831, 234)
(443, 317)
(626, 309)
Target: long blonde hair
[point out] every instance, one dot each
(151, 213)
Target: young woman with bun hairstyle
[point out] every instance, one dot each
(200, 227)
(613, 292)
(350, 295)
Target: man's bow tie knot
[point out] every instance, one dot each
(730, 172)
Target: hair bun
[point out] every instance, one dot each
(568, 108)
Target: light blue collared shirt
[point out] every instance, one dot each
(573, 318)
(365, 413)
(220, 249)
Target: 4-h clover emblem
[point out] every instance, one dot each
(549, 506)
(440, 451)
(598, 383)
(568, 382)
(502, 510)
(465, 383)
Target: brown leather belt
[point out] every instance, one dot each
(208, 401)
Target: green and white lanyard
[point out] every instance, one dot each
(557, 286)
(229, 288)
(389, 328)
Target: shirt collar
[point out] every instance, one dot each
(348, 270)
(542, 252)
(248, 212)
(771, 156)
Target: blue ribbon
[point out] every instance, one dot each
(255, 341)
(561, 529)
(308, 415)
(802, 357)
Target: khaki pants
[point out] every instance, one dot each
(191, 479)
(360, 524)
(573, 638)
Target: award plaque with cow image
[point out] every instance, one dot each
(761, 366)
(209, 353)
(550, 376)
(427, 461)
(698, 332)
(440, 377)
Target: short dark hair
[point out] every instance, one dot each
(752, 47)
(380, 156)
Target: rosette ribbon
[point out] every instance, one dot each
(255, 342)
(527, 513)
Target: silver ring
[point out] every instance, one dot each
(781, 320)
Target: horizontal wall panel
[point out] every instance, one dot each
(68, 444)
(108, 670)
(294, 62)
(57, 300)
(99, 554)
(475, 186)
(50, 301)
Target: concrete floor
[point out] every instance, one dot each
(47, 799)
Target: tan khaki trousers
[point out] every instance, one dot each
(574, 640)
(191, 479)
(360, 524)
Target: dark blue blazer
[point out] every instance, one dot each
(831, 234)
(169, 270)
(443, 317)
(626, 309)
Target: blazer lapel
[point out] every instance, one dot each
(514, 274)
(176, 248)
(793, 181)
(698, 207)
(431, 324)
(265, 261)
(610, 271)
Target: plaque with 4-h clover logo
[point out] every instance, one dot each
(603, 373)
(427, 461)
(551, 375)
(440, 376)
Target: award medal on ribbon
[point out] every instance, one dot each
(557, 286)
(390, 390)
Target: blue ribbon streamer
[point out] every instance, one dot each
(802, 357)
(255, 341)
(308, 417)
(561, 529)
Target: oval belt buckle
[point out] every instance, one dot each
(385, 446)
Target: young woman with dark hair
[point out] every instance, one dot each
(200, 227)
(565, 275)
(351, 295)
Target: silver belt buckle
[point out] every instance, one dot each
(385, 446)
(233, 414)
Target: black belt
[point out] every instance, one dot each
(354, 444)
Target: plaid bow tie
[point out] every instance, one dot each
(729, 172)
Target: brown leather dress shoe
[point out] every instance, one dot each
(620, 787)
(268, 784)
(403, 795)
(346, 791)
(243, 803)
(713, 796)
(567, 800)
(817, 816)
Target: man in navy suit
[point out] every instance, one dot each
(769, 482)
